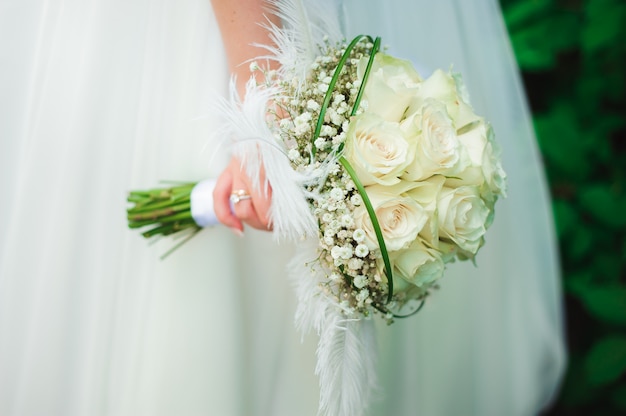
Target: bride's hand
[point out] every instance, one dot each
(251, 207)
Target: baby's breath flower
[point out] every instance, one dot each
(336, 252)
(328, 131)
(361, 250)
(362, 295)
(346, 220)
(312, 105)
(322, 88)
(343, 234)
(360, 281)
(358, 235)
(356, 200)
(320, 143)
(293, 155)
(336, 194)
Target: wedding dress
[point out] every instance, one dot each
(99, 97)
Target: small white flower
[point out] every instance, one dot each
(336, 252)
(355, 264)
(320, 143)
(312, 105)
(322, 88)
(362, 295)
(286, 124)
(346, 252)
(254, 66)
(343, 234)
(336, 194)
(361, 250)
(358, 235)
(356, 200)
(360, 282)
(327, 217)
(328, 131)
(293, 155)
(346, 220)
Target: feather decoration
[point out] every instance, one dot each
(256, 147)
(305, 26)
(346, 364)
(346, 353)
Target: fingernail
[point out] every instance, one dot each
(237, 231)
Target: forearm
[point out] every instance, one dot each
(242, 24)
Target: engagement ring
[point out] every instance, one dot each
(238, 195)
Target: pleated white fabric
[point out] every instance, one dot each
(101, 96)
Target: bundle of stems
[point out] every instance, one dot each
(163, 211)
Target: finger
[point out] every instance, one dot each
(244, 207)
(221, 202)
(261, 199)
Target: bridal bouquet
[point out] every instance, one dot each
(381, 175)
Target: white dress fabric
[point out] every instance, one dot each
(101, 96)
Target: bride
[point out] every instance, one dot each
(101, 97)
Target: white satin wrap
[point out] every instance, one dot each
(202, 210)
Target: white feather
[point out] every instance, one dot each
(305, 26)
(346, 365)
(346, 353)
(256, 146)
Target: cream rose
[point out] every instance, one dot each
(463, 216)
(438, 150)
(400, 218)
(418, 264)
(495, 177)
(377, 150)
(391, 86)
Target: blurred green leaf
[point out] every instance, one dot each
(561, 141)
(580, 243)
(605, 22)
(604, 204)
(606, 303)
(523, 12)
(565, 216)
(538, 43)
(607, 360)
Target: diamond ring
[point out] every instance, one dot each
(239, 195)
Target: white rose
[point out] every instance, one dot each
(417, 264)
(426, 193)
(463, 217)
(443, 87)
(377, 150)
(400, 217)
(438, 150)
(495, 177)
(485, 169)
(391, 86)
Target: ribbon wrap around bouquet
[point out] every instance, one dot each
(379, 175)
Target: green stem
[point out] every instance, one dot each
(331, 88)
(372, 214)
(366, 75)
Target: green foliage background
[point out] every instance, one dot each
(572, 54)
